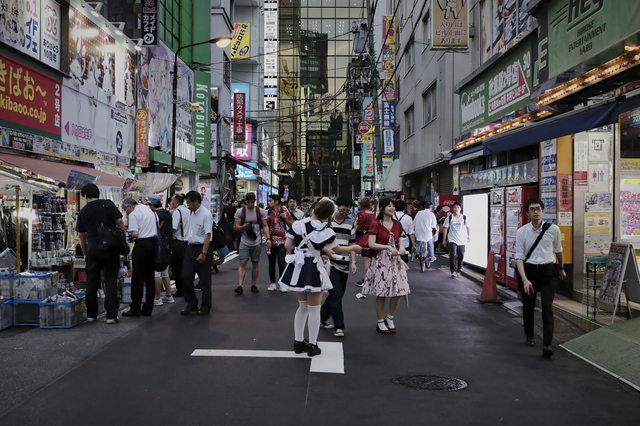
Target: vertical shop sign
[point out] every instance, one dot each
(565, 200)
(239, 120)
(548, 185)
(50, 34)
(142, 138)
(150, 22)
(28, 97)
(202, 118)
(240, 39)
(581, 164)
(368, 141)
(450, 28)
(388, 113)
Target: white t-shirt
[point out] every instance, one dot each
(424, 223)
(407, 228)
(457, 232)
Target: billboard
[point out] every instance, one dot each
(202, 118)
(240, 41)
(142, 138)
(504, 23)
(450, 28)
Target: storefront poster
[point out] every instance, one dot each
(634, 117)
(92, 124)
(565, 193)
(599, 147)
(205, 194)
(50, 33)
(450, 25)
(28, 97)
(77, 180)
(597, 222)
(596, 243)
(581, 164)
(598, 176)
(503, 24)
(614, 274)
(20, 25)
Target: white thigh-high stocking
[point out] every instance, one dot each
(314, 323)
(300, 319)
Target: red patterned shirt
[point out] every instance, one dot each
(277, 226)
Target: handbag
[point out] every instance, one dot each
(545, 226)
(322, 260)
(112, 239)
(218, 237)
(163, 251)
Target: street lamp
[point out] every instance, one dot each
(218, 41)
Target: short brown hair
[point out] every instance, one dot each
(365, 203)
(324, 209)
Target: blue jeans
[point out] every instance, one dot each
(430, 254)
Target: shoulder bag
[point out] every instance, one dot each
(545, 226)
(112, 238)
(218, 237)
(163, 252)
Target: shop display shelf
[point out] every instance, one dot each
(6, 313)
(6, 285)
(26, 312)
(62, 314)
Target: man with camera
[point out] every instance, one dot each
(279, 219)
(249, 220)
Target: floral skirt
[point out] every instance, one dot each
(386, 277)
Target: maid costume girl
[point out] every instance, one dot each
(305, 271)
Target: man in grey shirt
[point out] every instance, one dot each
(246, 221)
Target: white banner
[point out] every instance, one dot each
(94, 125)
(51, 35)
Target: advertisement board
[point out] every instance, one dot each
(503, 24)
(202, 118)
(142, 138)
(246, 173)
(450, 27)
(50, 33)
(240, 40)
(476, 209)
(244, 153)
(29, 97)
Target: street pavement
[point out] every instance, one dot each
(141, 371)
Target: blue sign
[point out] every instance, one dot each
(119, 142)
(388, 113)
(635, 117)
(246, 173)
(77, 180)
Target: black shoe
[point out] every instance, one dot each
(300, 347)
(178, 294)
(131, 313)
(547, 352)
(360, 283)
(313, 350)
(204, 311)
(254, 289)
(530, 341)
(238, 290)
(189, 310)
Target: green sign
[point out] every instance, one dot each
(578, 30)
(499, 91)
(202, 121)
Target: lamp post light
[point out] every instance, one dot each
(218, 41)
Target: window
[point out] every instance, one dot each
(409, 56)
(408, 122)
(426, 29)
(429, 102)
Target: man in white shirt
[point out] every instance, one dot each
(408, 238)
(179, 244)
(144, 228)
(198, 256)
(538, 271)
(456, 236)
(292, 206)
(424, 223)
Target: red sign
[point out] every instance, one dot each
(238, 116)
(29, 97)
(364, 127)
(142, 137)
(565, 192)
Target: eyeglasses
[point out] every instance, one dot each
(344, 211)
(535, 209)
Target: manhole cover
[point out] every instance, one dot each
(431, 382)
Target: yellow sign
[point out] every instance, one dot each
(367, 138)
(240, 40)
(597, 223)
(450, 29)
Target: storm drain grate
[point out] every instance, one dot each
(430, 382)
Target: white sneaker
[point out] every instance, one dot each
(326, 324)
(283, 290)
(453, 275)
(166, 299)
(458, 274)
(157, 302)
(272, 287)
(339, 332)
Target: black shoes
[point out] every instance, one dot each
(238, 290)
(204, 311)
(530, 341)
(189, 310)
(300, 347)
(131, 313)
(547, 352)
(313, 350)
(254, 289)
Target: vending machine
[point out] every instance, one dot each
(515, 217)
(496, 230)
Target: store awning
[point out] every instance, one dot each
(467, 154)
(562, 125)
(239, 162)
(60, 171)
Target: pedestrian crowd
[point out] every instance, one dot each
(311, 250)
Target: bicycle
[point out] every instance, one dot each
(423, 256)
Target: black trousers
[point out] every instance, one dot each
(277, 255)
(456, 255)
(97, 268)
(545, 281)
(143, 260)
(190, 267)
(177, 258)
(332, 306)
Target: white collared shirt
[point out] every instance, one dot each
(423, 223)
(200, 224)
(180, 231)
(143, 221)
(546, 250)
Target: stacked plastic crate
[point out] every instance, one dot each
(29, 289)
(6, 302)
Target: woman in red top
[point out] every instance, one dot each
(365, 219)
(387, 275)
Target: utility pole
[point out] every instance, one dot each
(373, 92)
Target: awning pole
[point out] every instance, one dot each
(18, 228)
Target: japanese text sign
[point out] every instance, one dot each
(150, 22)
(142, 136)
(238, 118)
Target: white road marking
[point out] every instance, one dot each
(330, 361)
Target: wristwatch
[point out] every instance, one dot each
(562, 268)
(204, 252)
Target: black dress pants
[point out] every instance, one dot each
(143, 260)
(456, 255)
(190, 267)
(332, 306)
(98, 267)
(177, 258)
(545, 280)
(277, 255)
